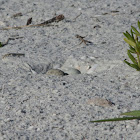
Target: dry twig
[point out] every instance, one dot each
(13, 54)
(111, 13)
(86, 42)
(77, 17)
(55, 19)
(3, 44)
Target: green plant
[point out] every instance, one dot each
(134, 47)
(133, 115)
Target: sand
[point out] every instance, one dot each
(35, 106)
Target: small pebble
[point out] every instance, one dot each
(56, 72)
(92, 69)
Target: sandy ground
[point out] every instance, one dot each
(36, 106)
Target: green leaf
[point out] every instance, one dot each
(130, 42)
(135, 113)
(139, 24)
(135, 30)
(132, 65)
(138, 44)
(116, 119)
(132, 57)
(137, 48)
(125, 34)
(129, 37)
(138, 34)
(127, 62)
(132, 34)
(132, 50)
(135, 67)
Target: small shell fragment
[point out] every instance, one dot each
(99, 102)
(17, 15)
(92, 69)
